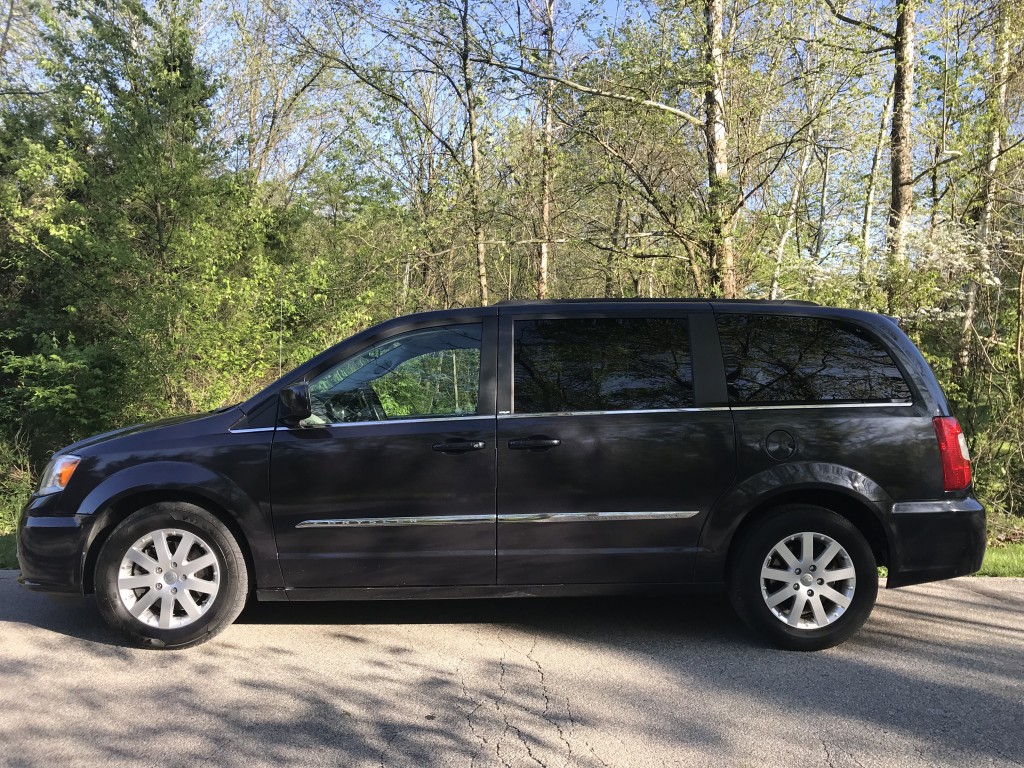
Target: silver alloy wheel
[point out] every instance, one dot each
(808, 580)
(169, 578)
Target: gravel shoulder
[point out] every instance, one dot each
(936, 678)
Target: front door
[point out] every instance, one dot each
(391, 482)
(607, 460)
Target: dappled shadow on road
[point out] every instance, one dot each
(344, 682)
(516, 682)
(75, 617)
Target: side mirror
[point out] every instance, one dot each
(295, 404)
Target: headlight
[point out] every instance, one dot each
(57, 474)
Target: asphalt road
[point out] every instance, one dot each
(935, 678)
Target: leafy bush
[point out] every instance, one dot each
(16, 483)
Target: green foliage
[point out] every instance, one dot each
(16, 483)
(440, 383)
(140, 279)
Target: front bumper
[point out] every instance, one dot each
(936, 540)
(51, 548)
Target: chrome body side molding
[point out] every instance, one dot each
(543, 517)
(391, 522)
(586, 517)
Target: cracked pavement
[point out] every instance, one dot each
(936, 678)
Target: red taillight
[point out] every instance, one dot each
(956, 461)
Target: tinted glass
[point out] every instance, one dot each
(773, 359)
(602, 365)
(428, 373)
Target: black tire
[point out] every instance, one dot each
(170, 526)
(821, 622)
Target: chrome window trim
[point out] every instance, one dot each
(394, 421)
(806, 406)
(504, 415)
(584, 517)
(363, 423)
(391, 522)
(710, 409)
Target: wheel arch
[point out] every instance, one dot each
(840, 489)
(111, 516)
(852, 509)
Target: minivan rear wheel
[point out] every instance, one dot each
(170, 575)
(804, 578)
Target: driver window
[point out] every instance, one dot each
(433, 373)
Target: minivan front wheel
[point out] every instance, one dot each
(804, 578)
(171, 575)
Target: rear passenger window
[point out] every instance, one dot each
(775, 359)
(610, 364)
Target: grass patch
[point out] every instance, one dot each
(1007, 560)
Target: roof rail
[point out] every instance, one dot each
(642, 300)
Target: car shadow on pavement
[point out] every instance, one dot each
(590, 617)
(586, 616)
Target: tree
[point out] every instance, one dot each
(995, 119)
(436, 41)
(901, 41)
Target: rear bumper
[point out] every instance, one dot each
(51, 548)
(936, 540)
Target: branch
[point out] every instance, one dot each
(846, 48)
(24, 92)
(858, 22)
(395, 96)
(579, 87)
(935, 166)
(972, 168)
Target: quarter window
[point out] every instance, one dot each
(775, 359)
(424, 374)
(608, 364)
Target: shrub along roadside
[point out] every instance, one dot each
(15, 487)
(8, 555)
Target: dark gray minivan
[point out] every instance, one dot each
(779, 450)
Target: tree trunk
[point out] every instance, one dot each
(7, 32)
(1020, 330)
(794, 206)
(819, 239)
(902, 200)
(547, 174)
(475, 176)
(997, 115)
(869, 199)
(616, 239)
(719, 242)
